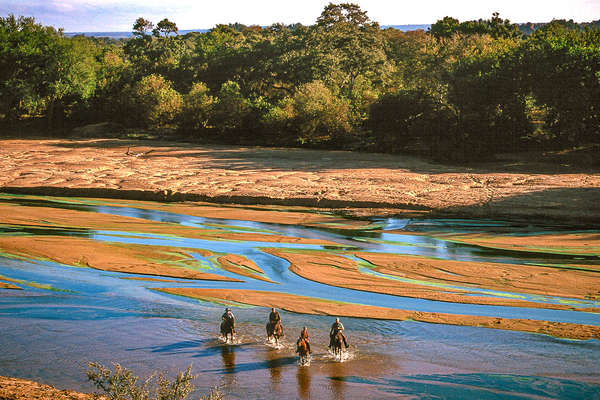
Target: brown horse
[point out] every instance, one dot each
(227, 330)
(338, 343)
(274, 330)
(302, 350)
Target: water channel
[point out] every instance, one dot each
(50, 330)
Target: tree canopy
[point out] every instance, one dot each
(462, 90)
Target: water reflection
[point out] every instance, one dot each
(303, 376)
(228, 362)
(337, 372)
(275, 364)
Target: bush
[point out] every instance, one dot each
(122, 384)
(155, 103)
(198, 107)
(230, 109)
(319, 115)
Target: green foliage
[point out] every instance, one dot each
(230, 109)
(165, 27)
(122, 384)
(495, 27)
(561, 69)
(40, 70)
(154, 103)
(141, 27)
(319, 115)
(198, 106)
(463, 90)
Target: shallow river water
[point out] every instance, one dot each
(51, 330)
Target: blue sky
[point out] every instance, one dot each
(113, 15)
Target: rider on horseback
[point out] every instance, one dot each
(304, 336)
(335, 328)
(229, 318)
(274, 316)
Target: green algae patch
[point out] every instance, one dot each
(317, 306)
(106, 256)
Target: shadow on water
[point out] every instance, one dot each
(183, 347)
(482, 386)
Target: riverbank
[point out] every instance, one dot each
(22, 389)
(518, 186)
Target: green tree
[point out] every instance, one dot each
(154, 102)
(560, 68)
(41, 71)
(346, 44)
(165, 27)
(198, 106)
(320, 117)
(230, 110)
(141, 27)
(495, 27)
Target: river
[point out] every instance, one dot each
(67, 316)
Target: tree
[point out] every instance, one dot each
(319, 116)
(154, 102)
(560, 68)
(345, 44)
(141, 27)
(41, 71)
(198, 107)
(230, 110)
(495, 27)
(165, 27)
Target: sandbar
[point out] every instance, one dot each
(14, 214)
(336, 270)
(240, 265)
(310, 305)
(117, 257)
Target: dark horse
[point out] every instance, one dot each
(338, 343)
(302, 350)
(274, 330)
(227, 330)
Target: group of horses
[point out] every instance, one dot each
(275, 332)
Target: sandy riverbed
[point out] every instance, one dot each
(510, 187)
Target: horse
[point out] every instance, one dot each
(274, 330)
(302, 350)
(227, 330)
(338, 343)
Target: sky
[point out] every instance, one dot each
(113, 15)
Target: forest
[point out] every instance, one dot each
(460, 91)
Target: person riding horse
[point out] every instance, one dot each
(274, 316)
(304, 336)
(274, 327)
(335, 328)
(229, 318)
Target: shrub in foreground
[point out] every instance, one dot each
(122, 384)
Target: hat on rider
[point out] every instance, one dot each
(337, 320)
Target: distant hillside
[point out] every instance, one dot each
(123, 35)
(404, 28)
